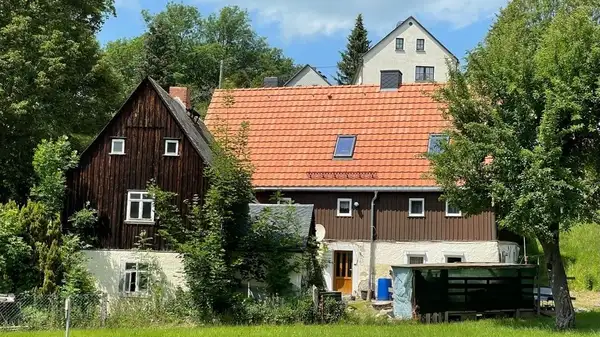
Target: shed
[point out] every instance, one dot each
(462, 288)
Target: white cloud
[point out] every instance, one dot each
(128, 5)
(304, 18)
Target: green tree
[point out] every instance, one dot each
(52, 82)
(126, 58)
(358, 45)
(525, 137)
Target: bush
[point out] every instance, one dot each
(279, 311)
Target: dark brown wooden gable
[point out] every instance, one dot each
(104, 179)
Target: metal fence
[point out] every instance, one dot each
(48, 312)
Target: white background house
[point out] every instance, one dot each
(411, 49)
(307, 76)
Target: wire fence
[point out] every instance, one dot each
(48, 312)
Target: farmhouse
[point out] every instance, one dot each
(154, 136)
(356, 153)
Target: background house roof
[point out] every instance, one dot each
(301, 217)
(293, 132)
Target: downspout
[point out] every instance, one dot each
(372, 248)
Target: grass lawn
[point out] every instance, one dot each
(588, 325)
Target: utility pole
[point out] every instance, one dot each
(221, 74)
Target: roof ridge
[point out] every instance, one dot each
(323, 87)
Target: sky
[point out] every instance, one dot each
(315, 31)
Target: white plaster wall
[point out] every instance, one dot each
(387, 254)
(307, 77)
(107, 266)
(385, 57)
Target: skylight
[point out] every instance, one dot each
(344, 147)
(435, 143)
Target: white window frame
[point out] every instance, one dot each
(416, 254)
(452, 215)
(125, 287)
(112, 146)
(339, 202)
(170, 154)
(411, 213)
(142, 200)
(285, 200)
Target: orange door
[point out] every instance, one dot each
(342, 279)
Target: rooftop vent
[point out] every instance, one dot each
(390, 79)
(271, 82)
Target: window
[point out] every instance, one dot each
(140, 207)
(135, 279)
(416, 259)
(117, 146)
(435, 143)
(171, 147)
(454, 259)
(424, 74)
(344, 207)
(285, 201)
(452, 210)
(399, 43)
(390, 80)
(416, 207)
(344, 147)
(420, 44)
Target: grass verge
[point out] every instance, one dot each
(588, 325)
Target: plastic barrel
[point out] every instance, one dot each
(383, 284)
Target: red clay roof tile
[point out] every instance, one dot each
(293, 132)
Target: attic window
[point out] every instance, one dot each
(435, 143)
(117, 146)
(344, 147)
(171, 147)
(420, 44)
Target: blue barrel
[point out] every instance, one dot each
(383, 284)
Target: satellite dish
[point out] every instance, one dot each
(319, 232)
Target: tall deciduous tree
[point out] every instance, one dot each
(358, 45)
(51, 81)
(181, 48)
(526, 137)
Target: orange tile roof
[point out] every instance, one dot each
(293, 132)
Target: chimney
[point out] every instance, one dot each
(182, 94)
(390, 80)
(271, 82)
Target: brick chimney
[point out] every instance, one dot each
(181, 93)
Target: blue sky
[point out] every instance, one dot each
(314, 31)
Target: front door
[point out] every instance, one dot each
(342, 279)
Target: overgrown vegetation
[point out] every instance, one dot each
(35, 254)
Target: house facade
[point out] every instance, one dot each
(307, 76)
(413, 50)
(153, 136)
(356, 154)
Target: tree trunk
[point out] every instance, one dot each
(565, 314)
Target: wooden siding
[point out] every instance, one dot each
(104, 179)
(391, 218)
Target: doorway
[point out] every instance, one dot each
(342, 279)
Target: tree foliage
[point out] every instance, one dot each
(180, 47)
(358, 45)
(38, 255)
(51, 77)
(525, 134)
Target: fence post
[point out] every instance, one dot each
(67, 315)
(103, 309)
